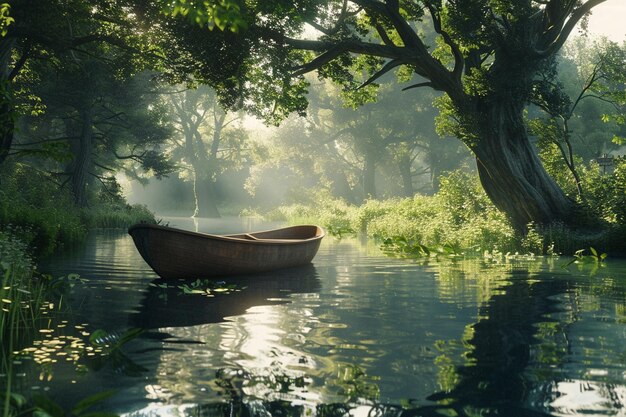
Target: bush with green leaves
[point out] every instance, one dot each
(459, 216)
(605, 192)
(45, 214)
(618, 200)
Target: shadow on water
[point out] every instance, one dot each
(166, 304)
(294, 342)
(500, 350)
(494, 381)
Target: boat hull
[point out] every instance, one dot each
(180, 254)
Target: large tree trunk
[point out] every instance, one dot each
(404, 165)
(499, 350)
(510, 170)
(81, 149)
(205, 198)
(369, 176)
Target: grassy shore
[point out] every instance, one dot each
(458, 219)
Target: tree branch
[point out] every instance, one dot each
(554, 42)
(332, 50)
(459, 61)
(382, 33)
(424, 84)
(391, 11)
(104, 167)
(132, 156)
(385, 69)
(414, 52)
(319, 61)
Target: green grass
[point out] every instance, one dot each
(21, 298)
(117, 216)
(45, 216)
(458, 219)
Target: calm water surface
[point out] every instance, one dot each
(354, 334)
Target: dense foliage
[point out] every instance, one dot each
(491, 60)
(82, 107)
(44, 216)
(460, 219)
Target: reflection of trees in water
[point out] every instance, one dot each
(508, 362)
(485, 277)
(524, 349)
(500, 350)
(491, 383)
(521, 340)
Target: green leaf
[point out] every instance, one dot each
(45, 407)
(89, 402)
(618, 140)
(96, 337)
(17, 400)
(129, 335)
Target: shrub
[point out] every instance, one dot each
(45, 215)
(117, 215)
(459, 216)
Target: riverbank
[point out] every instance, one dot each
(459, 219)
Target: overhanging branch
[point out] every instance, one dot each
(567, 25)
(459, 62)
(385, 69)
(319, 61)
(331, 51)
(418, 85)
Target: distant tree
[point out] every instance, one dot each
(487, 59)
(346, 149)
(208, 141)
(47, 32)
(582, 106)
(96, 121)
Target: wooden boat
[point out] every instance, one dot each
(174, 253)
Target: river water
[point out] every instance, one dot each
(356, 333)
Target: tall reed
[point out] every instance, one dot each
(22, 297)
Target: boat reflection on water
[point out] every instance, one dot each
(170, 303)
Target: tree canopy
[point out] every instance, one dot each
(485, 56)
(491, 59)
